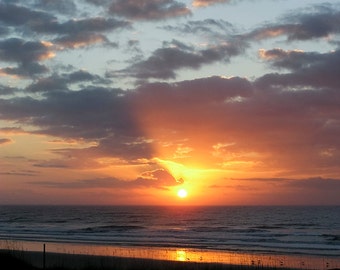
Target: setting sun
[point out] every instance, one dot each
(182, 193)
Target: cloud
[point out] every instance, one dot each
(208, 26)
(272, 125)
(6, 90)
(62, 82)
(21, 51)
(320, 23)
(59, 35)
(11, 130)
(26, 54)
(305, 184)
(316, 183)
(26, 70)
(164, 62)
(5, 141)
(87, 25)
(277, 120)
(312, 70)
(93, 114)
(293, 191)
(160, 179)
(148, 9)
(44, 22)
(80, 40)
(82, 32)
(205, 3)
(17, 15)
(20, 173)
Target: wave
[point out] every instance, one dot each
(108, 228)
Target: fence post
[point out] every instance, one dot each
(44, 257)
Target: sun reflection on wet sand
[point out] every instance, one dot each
(183, 255)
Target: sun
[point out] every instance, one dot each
(182, 193)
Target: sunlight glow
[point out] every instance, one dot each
(182, 193)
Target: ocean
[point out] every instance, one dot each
(271, 230)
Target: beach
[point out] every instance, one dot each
(80, 256)
(26, 260)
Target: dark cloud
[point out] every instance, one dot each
(6, 90)
(164, 62)
(131, 148)
(26, 54)
(81, 75)
(321, 23)
(193, 92)
(61, 82)
(11, 130)
(20, 173)
(3, 31)
(97, 114)
(17, 15)
(293, 60)
(5, 141)
(305, 184)
(159, 178)
(43, 22)
(90, 113)
(60, 35)
(60, 164)
(47, 84)
(87, 25)
(148, 9)
(81, 32)
(99, 2)
(316, 183)
(208, 26)
(313, 70)
(25, 70)
(294, 191)
(76, 108)
(21, 51)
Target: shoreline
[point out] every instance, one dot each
(34, 251)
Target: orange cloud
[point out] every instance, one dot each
(278, 53)
(80, 40)
(205, 3)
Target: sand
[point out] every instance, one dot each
(32, 260)
(81, 256)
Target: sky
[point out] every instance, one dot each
(126, 102)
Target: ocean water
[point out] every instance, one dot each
(312, 230)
